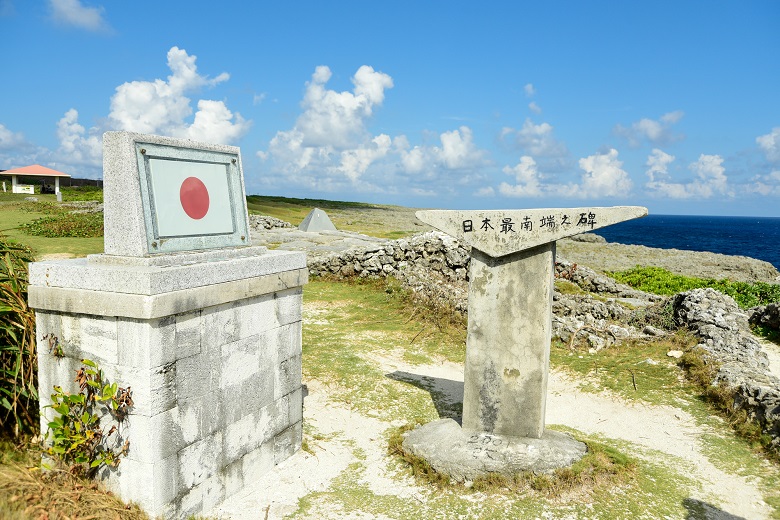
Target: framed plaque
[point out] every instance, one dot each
(192, 198)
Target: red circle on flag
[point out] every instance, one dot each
(194, 198)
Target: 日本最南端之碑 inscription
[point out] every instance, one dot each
(510, 307)
(498, 233)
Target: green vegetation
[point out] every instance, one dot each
(701, 371)
(660, 281)
(637, 370)
(13, 216)
(81, 193)
(76, 435)
(371, 219)
(27, 493)
(351, 327)
(66, 224)
(18, 357)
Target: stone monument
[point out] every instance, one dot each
(202, 327)
(317, 220)
(508, 344)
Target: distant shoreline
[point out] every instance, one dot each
(615, 256)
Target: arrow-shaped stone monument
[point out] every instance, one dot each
(508, 344)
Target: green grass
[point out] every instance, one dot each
(351, 327)
(636, 370)
(13, 216)
(369, 219)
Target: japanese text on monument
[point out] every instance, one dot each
(548, 222)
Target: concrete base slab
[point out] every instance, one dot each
(465, 455)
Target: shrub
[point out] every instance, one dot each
(18, 358)
(83, 225)
(660, 281)
(72, 193)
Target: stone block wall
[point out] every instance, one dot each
(210, 348)
(217, 394)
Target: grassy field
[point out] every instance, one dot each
(374, 220)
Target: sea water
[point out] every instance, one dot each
(756, 237)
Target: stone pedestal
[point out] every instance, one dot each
(209, 343)
(508, 342)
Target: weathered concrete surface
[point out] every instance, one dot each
(466, 455)
(502, 232)
(508, 342)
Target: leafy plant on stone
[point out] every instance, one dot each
(77, 435)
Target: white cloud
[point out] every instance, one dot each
(354, 163)
(337, 119)
(458, 150)
(770, 144)
(74, 13)
(537, 140)
(711, 175)
(655, 132)
(529, 89)
(9, 139)
(259, 98)
(658, 164)
(214, 123)
(77, 146)
(486, 191)
(162, 107)
(765, 184)
(710, 179)
(527, 179)
(603, 177)
(330, 146)
(533, 107)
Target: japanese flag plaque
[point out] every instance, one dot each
(175, 195)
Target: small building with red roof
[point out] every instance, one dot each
(34, 170)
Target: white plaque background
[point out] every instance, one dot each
(167, 177)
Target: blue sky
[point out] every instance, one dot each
(667, 104)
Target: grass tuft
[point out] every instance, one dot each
(26, 492)
(701, 370)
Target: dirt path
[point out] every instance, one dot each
(661, 434)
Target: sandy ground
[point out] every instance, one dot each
(653, 429)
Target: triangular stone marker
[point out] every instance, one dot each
(511, 281)
(317, 220)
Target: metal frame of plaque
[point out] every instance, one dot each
(161, 169)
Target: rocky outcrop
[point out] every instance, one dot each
(766, 316)
(724, 333)
(263, 222)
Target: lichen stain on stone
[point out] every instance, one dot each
(511, 372)
(481, 282)
(488, 399)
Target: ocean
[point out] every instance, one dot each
(756, 237)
